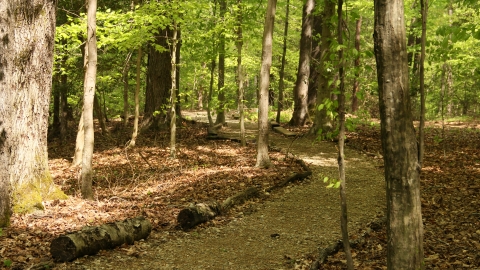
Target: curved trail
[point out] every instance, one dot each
(290, 224)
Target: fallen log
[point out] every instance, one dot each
(199, 213)
(91, 240)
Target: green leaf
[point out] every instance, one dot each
(337, 184)
(325, 179)
(330, 185)
(7, 263)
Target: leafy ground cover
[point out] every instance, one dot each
(145, 181)
(450, 183)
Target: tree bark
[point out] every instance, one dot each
(173, 115)
(356, 66)
(402, 170)
(221, 68)
(88, 101)
(314, 60)
(159, 82)
(341, 142)
(137, 98)
(90, 240)
(126, 106)
(241, 90)
(421, 144)
(263, 160)
(281, 84)
(27, 31)
(300, 115)
(323, 122)
(100, 114)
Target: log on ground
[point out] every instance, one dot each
(91, 240)
(199, 213)
(196, 214)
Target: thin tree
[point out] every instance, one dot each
(126, 106)
(88, 100)
(26, 61)
(341, 141)
(421, 145)
(281, 84)
(263, 160)
(300, 115)
(402, 170)
(221, 67)
(241, 90)
(173, 115)
(356, 66)
(137, 98)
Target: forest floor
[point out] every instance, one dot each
(283, 229)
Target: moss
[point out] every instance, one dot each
(28, 196)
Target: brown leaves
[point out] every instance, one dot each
(145, 182)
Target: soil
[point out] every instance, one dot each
(276, 233)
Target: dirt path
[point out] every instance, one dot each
(273, 235)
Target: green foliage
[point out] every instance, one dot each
(7, 263)
(332, 183)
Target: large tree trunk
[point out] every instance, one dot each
(91, 240)
(300, 114)
(159, 82)
(323, 122)
(263, 160)
(27, 31)
(281, 84)
(314, 60)
(88, 101)
(221, 68)
(402, 170)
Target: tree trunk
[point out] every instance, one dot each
(314, 61)
(421, 144)
(88, 101)
(241, 90)
(221, 68)
(63, 117)
(159, 82)
(55, 129)
(341, 142)
(27, 31)
(178, 47)
(210, 92)
(356, 66)
(126, 106)
(173, 115)
(263, 160)
(79, 142)
(323, 122)
(90, 240)
(300, 115)
(402, 170)
(281, 84)
(137, 99)
(100, 114)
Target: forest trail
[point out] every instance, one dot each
(275, 234)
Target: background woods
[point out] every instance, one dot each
(128, 80)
